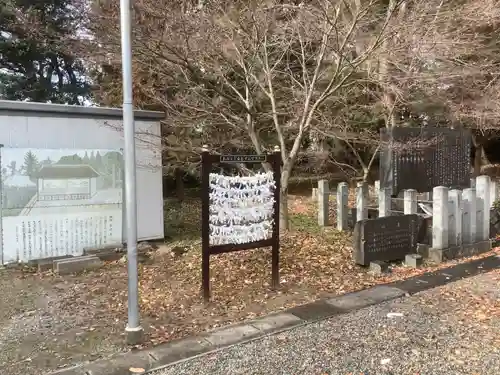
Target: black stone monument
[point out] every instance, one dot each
(422, 158)
(385, 239)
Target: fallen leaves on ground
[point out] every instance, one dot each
(313, 264)
(472, 302)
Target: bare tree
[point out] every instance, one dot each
(455, 63)
(447, 51)
(439, 67)
(254, 73)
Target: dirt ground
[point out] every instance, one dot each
(49, 321)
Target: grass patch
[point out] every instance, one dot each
(304, 222)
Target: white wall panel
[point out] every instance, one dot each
(34, 130)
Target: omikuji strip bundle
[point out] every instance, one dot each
(241, 208)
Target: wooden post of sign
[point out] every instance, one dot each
(205, 223)
(275, 267)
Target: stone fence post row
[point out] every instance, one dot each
(459, 217)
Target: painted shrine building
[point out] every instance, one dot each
(66, 182)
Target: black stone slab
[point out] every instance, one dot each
(385, 239)
(422, 158)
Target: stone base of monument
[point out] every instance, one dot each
(77, 264)
(414, 260)
(46, 264)
(377, 267)
(443, 255)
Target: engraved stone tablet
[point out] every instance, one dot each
(385, 239)
(422, 158)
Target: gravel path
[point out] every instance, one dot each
(450, 330)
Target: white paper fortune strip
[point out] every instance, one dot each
(241, 208)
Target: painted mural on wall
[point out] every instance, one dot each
(57, 202)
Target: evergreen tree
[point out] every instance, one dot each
(35, 63)
(70, 160)
(98, 161)
(31, 164)
(12, 167)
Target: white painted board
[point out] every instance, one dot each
(29, 129)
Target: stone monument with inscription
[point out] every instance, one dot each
(422, 158)
(385, 239)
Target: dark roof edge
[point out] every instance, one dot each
(61, 110)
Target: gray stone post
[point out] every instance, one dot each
(376, 189)
(483, 207)
(410, 202)
(342, 205)
(361, 201)
(440, 218)
(323, 202)
(314, 193)
(469, 216)
(384, 203)
(455, 213)
(493, 192)
(472, 183)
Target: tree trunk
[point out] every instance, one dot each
(284, 216)
(480, 159)
(366, 174)
(390, 116)
(385, 70)
(477, 160)
(338, 149)
(484, 157)
(179, 184)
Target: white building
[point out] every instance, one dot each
(43, 127)
(66, 182)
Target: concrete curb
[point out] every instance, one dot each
(181, 350)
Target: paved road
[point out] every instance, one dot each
(450, 330)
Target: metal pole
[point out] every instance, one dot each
(123, 203)
(2, 256)
(134, 330)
